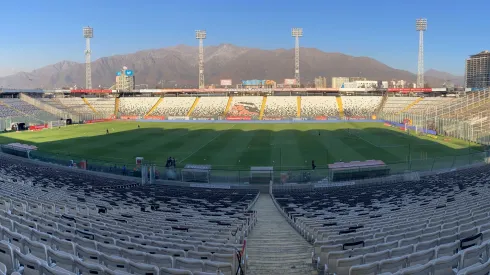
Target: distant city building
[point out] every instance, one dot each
(338, 81)
(477, 71)
(320, 82)
(255, 83)
(398, 84)
(357, 78)
(125, 80)
(401, 84)
(367, 84)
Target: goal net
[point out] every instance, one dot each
(196, 173)
(261, 174)
(56, 123)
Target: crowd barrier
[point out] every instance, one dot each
(38, 127)
(240, 175)
(97, 120)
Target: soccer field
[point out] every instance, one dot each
(239, 146)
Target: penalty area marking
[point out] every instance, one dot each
(198, 149)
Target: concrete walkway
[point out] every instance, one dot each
(274, 247)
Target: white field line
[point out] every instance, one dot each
(198, 149)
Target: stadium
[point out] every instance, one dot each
(246, 180)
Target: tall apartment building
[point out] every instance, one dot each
(338, 81)
(477, 70)
(320, 82)
(125, 80)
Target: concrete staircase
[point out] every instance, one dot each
(116, 107)
(340, 106)
(262, 107)
(382, 104)
(228, 105)
(154, 106)
(298, 106)
(89, 105)
(274, 247)
(196, 101)
(411, 105)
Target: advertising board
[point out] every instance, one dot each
(178, 118)
(410, 90)
(96, 120)
(150, 91)
(38, 127)
(130, 117)
(239, 118)
(226, 82)
(91, 91)
(203, 118)
(155, 117)
(289, 81)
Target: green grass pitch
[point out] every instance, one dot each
(233, 146)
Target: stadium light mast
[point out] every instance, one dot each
(296, 33)
(88, 33)
(421, 27)
(201, 35)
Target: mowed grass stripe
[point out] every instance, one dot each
(227, 155)
(251, 144)
(208, 151)
(259, 152)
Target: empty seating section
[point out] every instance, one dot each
(104, 106)
(23, 108)
(8, 112)
(76, 105)
(397, 104)
(210, 106)
(315, 106)
(428, 103)
(245, 106)
(136, 106)
(363, 106)
(438, 225)
(280, 107)
(174, 106)
(58, 220)
(55, 102)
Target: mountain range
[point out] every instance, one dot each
(178, 65)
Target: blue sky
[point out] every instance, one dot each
(38, 33)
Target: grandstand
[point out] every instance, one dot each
(58, 220)
(280, 107)
(63, 220)
(245, 106)
(318, 106)
(360, 105)
(438, 225)
(210, 106)
(174, 106)
(103, 106)
(76, 105)
(136, 106)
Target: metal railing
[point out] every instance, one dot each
(243, 175)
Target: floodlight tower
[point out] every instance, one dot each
(201, 35)
(421, 27)
(296, 33)
(88, 33)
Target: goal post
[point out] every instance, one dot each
(261, 174)
(196, 173)
(56, 123)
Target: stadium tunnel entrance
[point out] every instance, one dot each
(20, 126)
